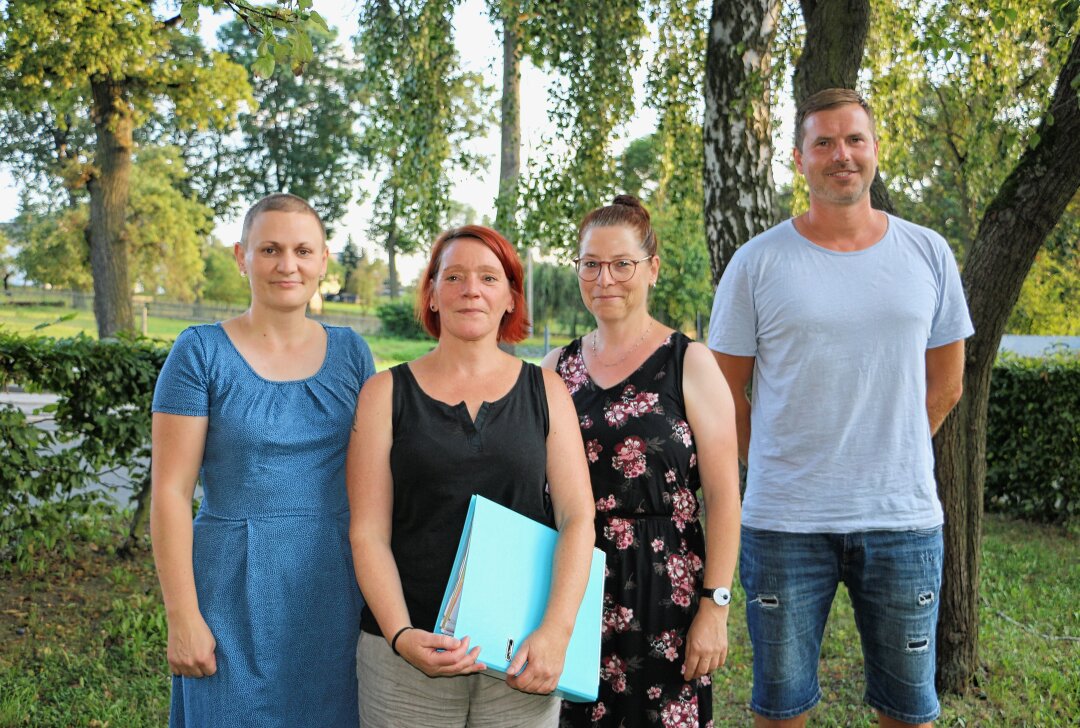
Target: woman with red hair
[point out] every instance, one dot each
(465, 419)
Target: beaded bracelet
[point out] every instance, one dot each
(393, 642)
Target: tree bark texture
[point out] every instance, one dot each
(739, 195)
(1014, 227)
(832, 54)
(109, 187)
(510, 124)
(833, 51)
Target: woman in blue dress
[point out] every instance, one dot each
(261, 599)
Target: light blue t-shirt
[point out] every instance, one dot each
(840, 439)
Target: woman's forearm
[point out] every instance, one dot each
(172, 536)
(379, 580)
(569, 574)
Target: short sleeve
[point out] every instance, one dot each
(183, 385)
(364, 361)
(951, 321)
(733, 325)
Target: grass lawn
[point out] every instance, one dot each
(387, 350)
(23, 319)
(82, 638)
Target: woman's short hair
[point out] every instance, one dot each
(626, 211)
(279, 202)
(514, 326)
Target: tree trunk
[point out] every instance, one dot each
(831, 56)
(739, 195)
(510, 123)
(109, 186)
(391, 267)
(1014, 227)
(392, 246)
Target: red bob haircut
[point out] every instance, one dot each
(514, 326)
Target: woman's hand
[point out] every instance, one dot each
(422, 650)
(191, 647)
(538, 662)
(706, 642)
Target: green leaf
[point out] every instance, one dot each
(318, 20)
(189, 11)
(283, 50)
(263, 67)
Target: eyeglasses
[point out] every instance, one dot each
(620, 270)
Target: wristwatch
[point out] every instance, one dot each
(721, 596)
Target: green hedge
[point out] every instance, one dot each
(105, 391)
(398, 318)
(1033, 438)
(100, 423)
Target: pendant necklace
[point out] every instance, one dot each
(596, 356)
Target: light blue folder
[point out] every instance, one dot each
(498, 591)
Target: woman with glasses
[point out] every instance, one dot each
(658, 424)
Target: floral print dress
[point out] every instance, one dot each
(643, 465)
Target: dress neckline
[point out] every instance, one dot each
(247, 364)
(461, 408)
(666, 343)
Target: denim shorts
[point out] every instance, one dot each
(893, 578)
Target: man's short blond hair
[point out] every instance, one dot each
(829, 98)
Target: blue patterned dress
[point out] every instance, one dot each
(273, 565)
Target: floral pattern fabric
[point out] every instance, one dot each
(643, 465)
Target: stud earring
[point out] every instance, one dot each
(432, 307)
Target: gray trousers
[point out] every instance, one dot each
(394, 694)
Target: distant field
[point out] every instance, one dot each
(387, 351)
(24, 319)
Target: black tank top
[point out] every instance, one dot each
(439, 458)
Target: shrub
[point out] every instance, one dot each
(1033, 438)
(399, 319)
(100, 423)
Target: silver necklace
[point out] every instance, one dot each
(596, 356)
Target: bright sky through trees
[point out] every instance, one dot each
(480, 51)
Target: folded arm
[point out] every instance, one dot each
(944, 381)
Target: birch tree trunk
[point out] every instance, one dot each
(737, 134)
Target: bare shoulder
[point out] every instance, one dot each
(558, 398)
(699, 360)
(552, 381)
(551, 359)
(377, 388)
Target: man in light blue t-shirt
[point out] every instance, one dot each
(851, 324)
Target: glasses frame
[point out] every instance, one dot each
(600, 268)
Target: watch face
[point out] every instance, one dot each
(721, 596)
